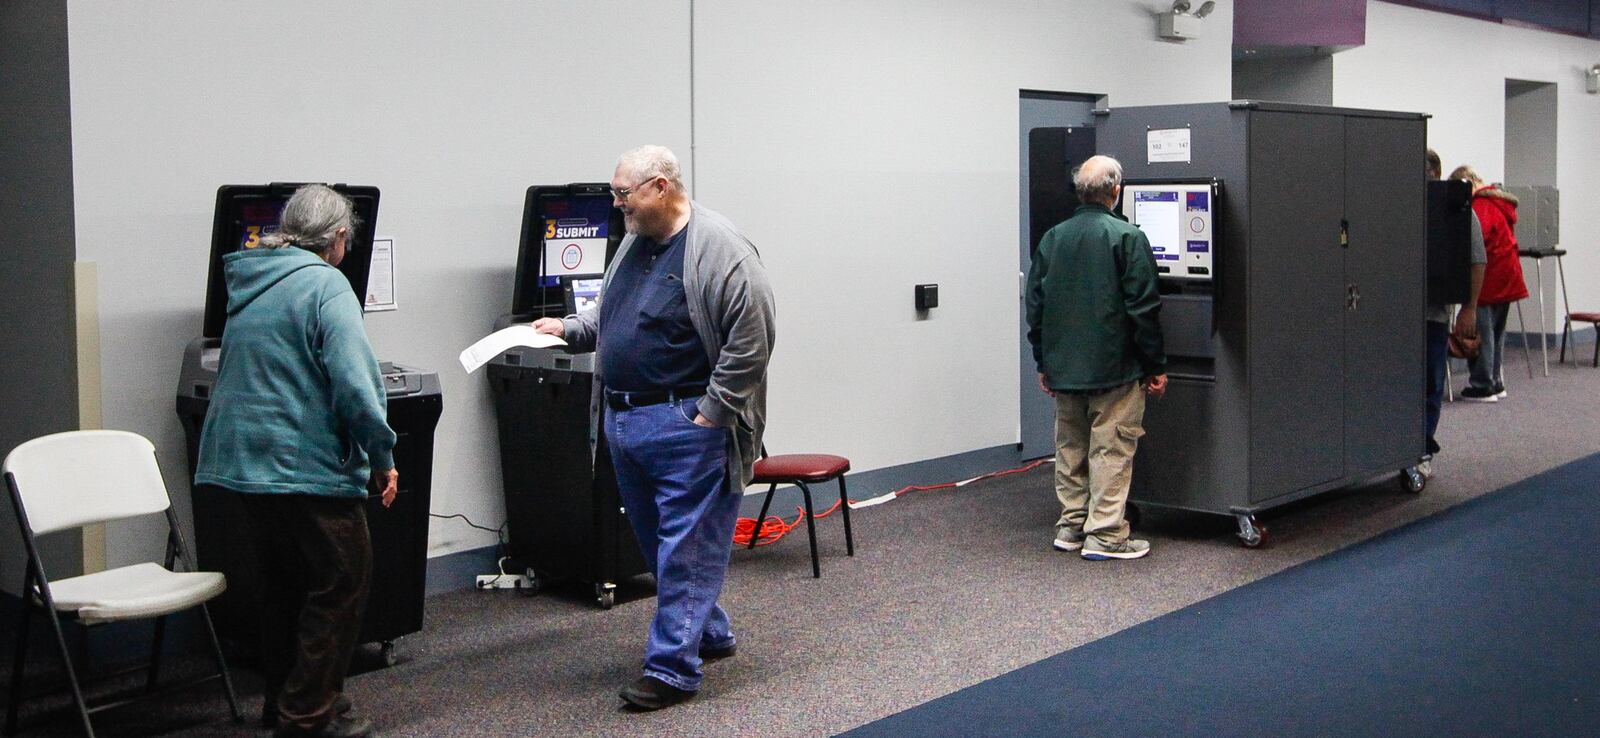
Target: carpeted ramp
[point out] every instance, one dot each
(1482, 620)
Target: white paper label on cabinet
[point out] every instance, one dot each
(1167, 145)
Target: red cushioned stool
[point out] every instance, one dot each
(1566, 330)
(803, 470)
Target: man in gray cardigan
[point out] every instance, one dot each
(682, 334)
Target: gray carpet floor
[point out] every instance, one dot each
(947, 589)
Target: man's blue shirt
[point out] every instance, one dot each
(647, 338)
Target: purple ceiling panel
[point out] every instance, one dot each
(1266, 23)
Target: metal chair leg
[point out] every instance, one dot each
(765, 504)
(222, 664)
(66, 662)
(1566, 330)
(844, 508)
(18, 660)
(811, 530)
(155, 655)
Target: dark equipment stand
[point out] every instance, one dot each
(565, 520)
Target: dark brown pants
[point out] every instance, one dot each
(316, 568)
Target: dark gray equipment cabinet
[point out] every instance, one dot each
(565, 517)
(1300, 367)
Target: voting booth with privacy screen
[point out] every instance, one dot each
(565, 520)
(1291, 249)
(245, 213)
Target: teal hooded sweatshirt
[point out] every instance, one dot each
(299, 405)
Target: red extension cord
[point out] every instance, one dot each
(774, 527)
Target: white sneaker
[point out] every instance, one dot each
(1131, 548)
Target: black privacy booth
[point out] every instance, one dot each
(1291, 246)
(244, 213)
(565, 520)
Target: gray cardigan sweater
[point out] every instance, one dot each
(730, 304)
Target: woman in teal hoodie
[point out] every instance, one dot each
(297, 424)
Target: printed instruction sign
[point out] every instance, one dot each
(380, 277)
(1167, 145)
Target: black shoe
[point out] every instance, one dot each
(721, 652)
(269, 710)
(1474, 394)
(650, 693)
(339, 727)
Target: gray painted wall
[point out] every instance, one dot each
(863, 147)
(1530, 133)
(38, 366)
(1294, 79)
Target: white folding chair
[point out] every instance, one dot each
(69, 480)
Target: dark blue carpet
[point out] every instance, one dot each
(1481, 620)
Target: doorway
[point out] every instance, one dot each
(1531, 160)
(1055, 135)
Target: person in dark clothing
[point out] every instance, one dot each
(1439, 329)
(1094, 322)
(297, 426)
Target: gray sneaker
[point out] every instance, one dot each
(1094, 550)
(1068, 539)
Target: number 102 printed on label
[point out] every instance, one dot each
(1167, 145)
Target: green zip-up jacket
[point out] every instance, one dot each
(299, 404)
(1094, 312)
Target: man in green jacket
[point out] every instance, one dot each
(1094, 322)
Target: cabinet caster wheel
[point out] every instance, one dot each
(386, 654)
(1251, 534)
(1413, 480)
(606, 600)
(534, 585)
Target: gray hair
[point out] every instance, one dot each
(311, 218)
(649, 162)
(1097, 179)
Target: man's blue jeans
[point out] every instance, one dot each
(672, 475)
(1438, 354)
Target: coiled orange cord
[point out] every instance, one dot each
(774, 527)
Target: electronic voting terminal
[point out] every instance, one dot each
(1179, 220)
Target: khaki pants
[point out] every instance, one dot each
(1096, 436)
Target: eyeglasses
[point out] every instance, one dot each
(622, 193)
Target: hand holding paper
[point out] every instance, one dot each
(496, 343)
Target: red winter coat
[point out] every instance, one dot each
(1502, 276)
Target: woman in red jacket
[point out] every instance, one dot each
(1502, 284)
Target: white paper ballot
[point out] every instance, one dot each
(497, 342)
